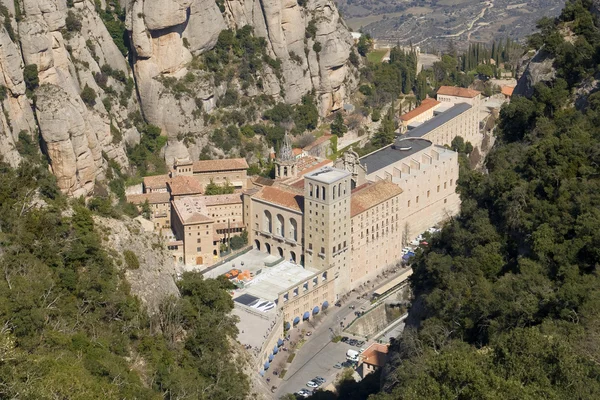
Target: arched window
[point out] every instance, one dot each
(280, 226)
(268, 222)
(293, 229)
(310, 190)
(323, 194)
(317, 192)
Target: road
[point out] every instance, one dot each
(318, 355)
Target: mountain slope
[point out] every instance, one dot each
(507, 296)
(72, 72)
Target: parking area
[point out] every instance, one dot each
(321, 364)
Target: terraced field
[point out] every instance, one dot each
(432, 24)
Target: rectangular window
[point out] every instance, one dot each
(198, 241)
(198, 249)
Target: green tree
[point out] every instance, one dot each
(88, 95)
(30, 76)
(338, 127)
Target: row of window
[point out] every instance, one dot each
(320, 192)
(429, 191)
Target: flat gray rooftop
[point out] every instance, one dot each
(253, 260)
(328, 175)
(273, 280)
(438, 120)
(393, 153)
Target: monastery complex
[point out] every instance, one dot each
(329, 226)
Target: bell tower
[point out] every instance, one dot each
(285, 162)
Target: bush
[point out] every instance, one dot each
(88, 95)
(72, 22)
(30, 76)
(131, 259)
(230, 98)
(376, 115)
(239, 241)
(317, 47)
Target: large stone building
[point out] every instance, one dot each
(461, 119)
(202, 223)
(226, 171)
(456, 95)
(352, 220)
(418, 115)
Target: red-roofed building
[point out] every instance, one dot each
(373, 358)
(220, 172)
(422, 113)
(456, 95)
(507, 91)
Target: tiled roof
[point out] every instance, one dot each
(319, 141)
(426, 105)
(507, 90)
(457, 91)
(191, 210)
(227, 164)
(153, 198)
(281, 197)
(313, 165)
(369, 195)
(375, 354)
(297, 151)
(156, 182)
(262, 181)
(220, 199)
(184, 185)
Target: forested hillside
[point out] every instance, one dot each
(508, 294)
(71, 329)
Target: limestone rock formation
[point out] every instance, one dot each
(75, 136)
(539, 69)
(73, 50)
(155, 278)
(165, 49)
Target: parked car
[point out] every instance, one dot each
(319, 380)
(311, 384)
(308, 333)
(337, 366)
(344, 339)
(302, 393)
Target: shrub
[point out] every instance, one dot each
(30, 76)
(229, 98)
(72, 22)
(131, 259)
(88, 95)
(317, 47)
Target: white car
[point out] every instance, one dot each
(311, 384)
(303, 393)
(406, 250)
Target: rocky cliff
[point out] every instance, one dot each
(65, 49)
(167, 36)
(76, 74)
(538, 69)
